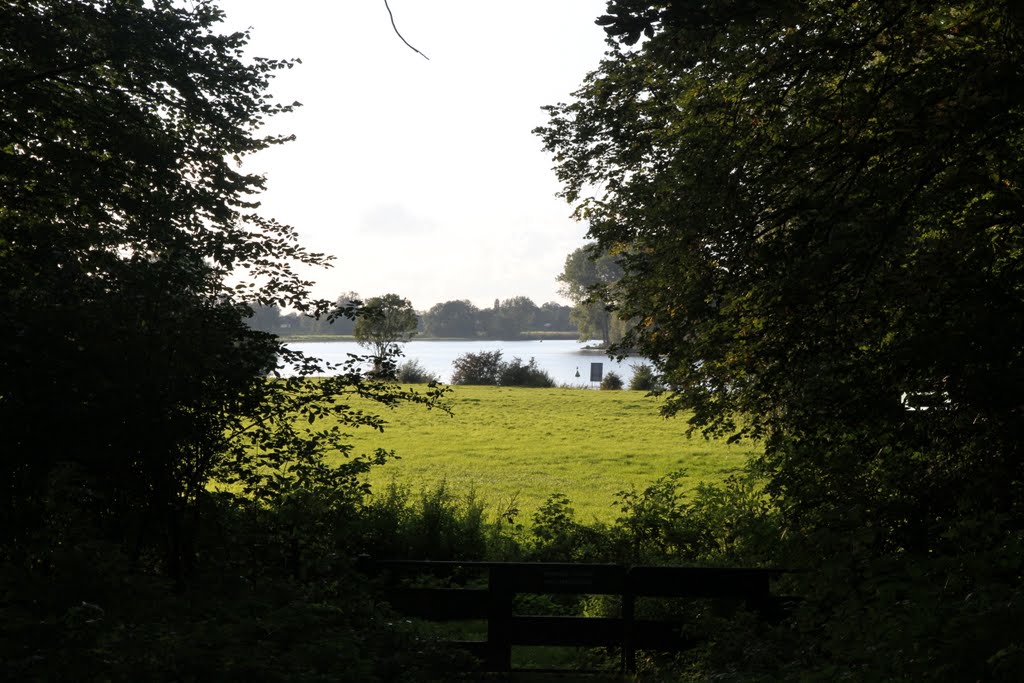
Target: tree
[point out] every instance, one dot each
(128, 377)
(510, 317)
(832, 220)
(819, 206)
(382, 324)
(265, 318)
(452, 319)
(554, 316)
(342, 320)
(586, 280)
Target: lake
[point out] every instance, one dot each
(560, 358)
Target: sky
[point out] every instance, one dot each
(422, 177)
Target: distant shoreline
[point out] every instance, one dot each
(534, 336)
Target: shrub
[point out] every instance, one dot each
(611, 381)
(643, 378)
(518, 374)
(477, 368)
(438, 524)
(411, 372)
(447, 526)
(559, 537)
(486, 367)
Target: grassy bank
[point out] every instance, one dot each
(529, 443)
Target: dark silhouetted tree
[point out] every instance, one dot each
(819, 210)
(130, 245)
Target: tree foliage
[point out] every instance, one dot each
(644, 379)
(510, 318)
(271, 318)
(128, 377)
(452, 319)
(382, 324)
(819, 207)
(517, 373)
(587, 280)
(413, 372)
(487, 368)
(458, 319)
(483, 367)
(611, 381)
(554, 317)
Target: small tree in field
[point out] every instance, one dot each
(385, 322)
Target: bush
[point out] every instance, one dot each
(285, 568)
(477, 368)
(559, 537)
(438, 523)
(643, 378)
(519, 374)
(411, 372)
(611, 381)
(486, 367)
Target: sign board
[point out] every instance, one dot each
(596, 372)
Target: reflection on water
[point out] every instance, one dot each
(560, 358)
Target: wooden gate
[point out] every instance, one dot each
(507, 579)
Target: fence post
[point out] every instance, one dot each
(499, 619)
(628, 620)
(760, 600)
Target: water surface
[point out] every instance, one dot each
(560, 358)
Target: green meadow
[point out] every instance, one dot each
(511, 443)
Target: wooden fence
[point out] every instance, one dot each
(505, 580)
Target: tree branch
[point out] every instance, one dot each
(58, 71)
(400, 35)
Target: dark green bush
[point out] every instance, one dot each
(483, 367)
(411, 372)
(516, 373)
(731, 523)
(274, 597)
(557, 536)
(611, 381)
(436, 524)
(486, 367)
(643, 378)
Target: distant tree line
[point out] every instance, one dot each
(510, 318)
(273, 319)
(507, 319)
(589, 279)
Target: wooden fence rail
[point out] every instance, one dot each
(507, 579)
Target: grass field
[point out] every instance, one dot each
(530, 443)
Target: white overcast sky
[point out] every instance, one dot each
(422, 177)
